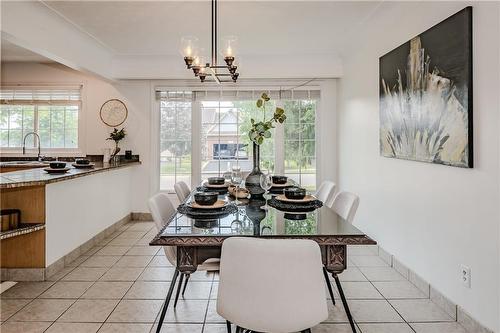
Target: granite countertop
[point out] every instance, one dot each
(38, 176)
(24, 165)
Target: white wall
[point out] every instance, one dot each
(80, 208)
(135, 94)
(431, 217)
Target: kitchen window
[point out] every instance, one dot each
(205, 133)
(51, 113)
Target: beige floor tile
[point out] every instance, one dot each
(212, 315)
(202, 276)
(359, 290)
(420, 310)
(142, 226)
(58, 327)
(109, 250)
(142, 251)
(107, 290)
(362, 250)
(364, 311)
(43, 310)
(160, 261)
(187, 311)
(386, 328)
(123, 242)
(332, 328)
(125, 328)
(100, 261)
(398, 289)
(148, 290)
(368, 261)
(336, 314)
(66, 289)
(157, 274)
(216, 328)
(122, 274)
(136, 311)
(181, 328)
(10, 306)
(197, 290)
(438, 328)
(215, 289)
(89, 311)
(382, 274)
(351, 274)
(26, 290)
(85, 274)
(24, 327)
(134, 261)
(131, 234)
(144, 240)
(59, 274)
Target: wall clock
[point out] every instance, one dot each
(113, 112)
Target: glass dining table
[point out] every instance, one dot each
(199, 237)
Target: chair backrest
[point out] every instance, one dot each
(182, 191)
(271, 285)
(346, 204)
(162, 210)
(325, 192)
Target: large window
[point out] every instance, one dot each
(175, 139)
(52, 114)
(218, 123)
(300, 142)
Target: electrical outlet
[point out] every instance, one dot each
(465, 275)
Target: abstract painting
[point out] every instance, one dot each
(426, 95)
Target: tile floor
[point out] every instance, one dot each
(119, 286)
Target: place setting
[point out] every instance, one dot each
(279, 183)
(83, 163)
(215, 184)
(206, 205)
(57, 167)
(295, 199)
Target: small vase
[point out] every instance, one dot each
(252, 182)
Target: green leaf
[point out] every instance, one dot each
(260, 140)
(280, 111)
(265, 97)
(259, 103)
(267, 134)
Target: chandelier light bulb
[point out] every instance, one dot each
(189, 46)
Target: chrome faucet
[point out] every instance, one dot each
(39, 157)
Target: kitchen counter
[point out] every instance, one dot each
(37, 176)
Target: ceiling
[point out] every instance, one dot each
(12, 52)
(262, 27)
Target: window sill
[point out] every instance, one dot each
(16, 152)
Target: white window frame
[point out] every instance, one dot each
(53, 152)
(327, 103)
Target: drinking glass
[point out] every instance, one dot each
(266, 182)
(236, 179)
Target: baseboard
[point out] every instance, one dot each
(452, 309)
(138, 216)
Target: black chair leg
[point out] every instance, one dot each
(329, 285)
(185, 284)
(306, 331)
(179, 286)
(228, 324)
(167, 300)
(344, 302)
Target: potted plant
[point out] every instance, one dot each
(259, 131)
(116, 136)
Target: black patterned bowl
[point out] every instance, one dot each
(57, 165)
(280, 179)
(205, 198)
(82, 161)
(216, 180)
(295, 193)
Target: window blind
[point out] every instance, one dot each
(40, 95)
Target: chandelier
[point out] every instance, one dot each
(211, 72)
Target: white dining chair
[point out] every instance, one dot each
(182, 191)
(271, 285)
(163, 211)
(325, 192)
(345, 204)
